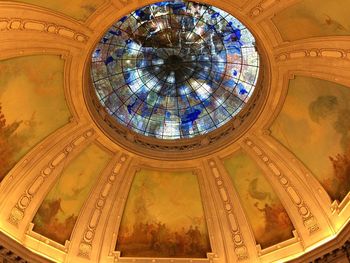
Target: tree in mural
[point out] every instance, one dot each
(9, 144)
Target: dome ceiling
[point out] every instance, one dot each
(174, 70)
(275, 188)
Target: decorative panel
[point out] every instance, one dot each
(265, 212)
(78, 9)
(315, 125)
(32, 105)
(164, 217)
(59, 211)
(314, 18)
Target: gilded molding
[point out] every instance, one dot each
(18, 24)
(314, 53)
(309, 220)
(240, 248)
(261, 7)
(18, 211)
(85, 246)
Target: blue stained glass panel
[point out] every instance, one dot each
(175, 69)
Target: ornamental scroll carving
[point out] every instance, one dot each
(314, 53)
(261, 7)
(18, 211)
(309, 221)
(130, 2)
(85, 246)
(18, 24)
(240, 248)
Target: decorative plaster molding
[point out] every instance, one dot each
(18, 211)
(261, 7)
(19, 24)
(85, 246)
(178, 149)
(240, 248)
(314, 53)
(14, 252)
(336, 250)
(7, 255)
(309, 221)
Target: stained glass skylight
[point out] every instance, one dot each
(175, 69)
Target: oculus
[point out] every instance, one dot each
(175, 69)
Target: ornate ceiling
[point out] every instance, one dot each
(270, 186)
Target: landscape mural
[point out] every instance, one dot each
(78, 9)
(314, 124)
(32, 105)
(59, 211)
(269, 220)
(314, 18)
(164, 217)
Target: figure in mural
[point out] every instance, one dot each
(327, 109)
(9, 144)
(269, 220)
(42, 97)
(157, 239)
(154, 222)
(341, 166)
(47, 223)
(317, 131)
(59, 211)
(276, 219)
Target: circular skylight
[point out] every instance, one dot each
(175, 69)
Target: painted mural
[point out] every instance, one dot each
(269, 220)
(314, 18)
(164, 217)
(78, 9)
(59, 211)
(32, 105)
(315, 125)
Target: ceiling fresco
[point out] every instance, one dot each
(164, 217)
(28, 102)
(135, 207)
(264, 210)
(59, 211)
(314, 124)
(315, 18)
(77, 9)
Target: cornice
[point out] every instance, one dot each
(12, 251)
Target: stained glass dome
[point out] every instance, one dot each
(175, 69)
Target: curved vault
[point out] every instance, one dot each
(287, 169)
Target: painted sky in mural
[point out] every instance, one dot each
(315, 125)
(164, 217)
(314, 18)
(59, 211)
(269, 220)
(78, 9)
(32, 105)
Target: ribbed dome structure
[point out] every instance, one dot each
(174, 70)
(174, 132)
